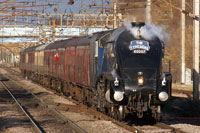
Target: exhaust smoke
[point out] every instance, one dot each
(148, 31)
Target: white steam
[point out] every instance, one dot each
(114, 74)
(148, 31)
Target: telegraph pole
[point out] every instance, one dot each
(183, 43)
(148, 11)
(115, 14)
(54, 29)
(196, 52)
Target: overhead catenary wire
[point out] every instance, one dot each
(182, 10)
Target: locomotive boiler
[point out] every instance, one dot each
(117, 71)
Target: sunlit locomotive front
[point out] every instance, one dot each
(137, 83)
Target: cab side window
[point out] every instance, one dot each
(110, 56)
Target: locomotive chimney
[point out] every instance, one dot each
(139, 33)
(137, 24)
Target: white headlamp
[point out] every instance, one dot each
(163, 96)
(118, 96)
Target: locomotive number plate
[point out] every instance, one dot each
(139, 51)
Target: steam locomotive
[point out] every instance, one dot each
(117, 71)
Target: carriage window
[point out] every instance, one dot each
(110, 56)
(96, 49)
(103, 40)
(110, 51)
(26, 58)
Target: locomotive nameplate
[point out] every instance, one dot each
(139, 46)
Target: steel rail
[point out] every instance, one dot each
(36, 126)
(61, 116)
(165, 126)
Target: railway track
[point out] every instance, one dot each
(172, 129)
(132, 128)
(83, 108)
(37, 128)
(159, 128)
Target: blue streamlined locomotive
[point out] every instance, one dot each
(117, 71)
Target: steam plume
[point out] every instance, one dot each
(148, 31)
